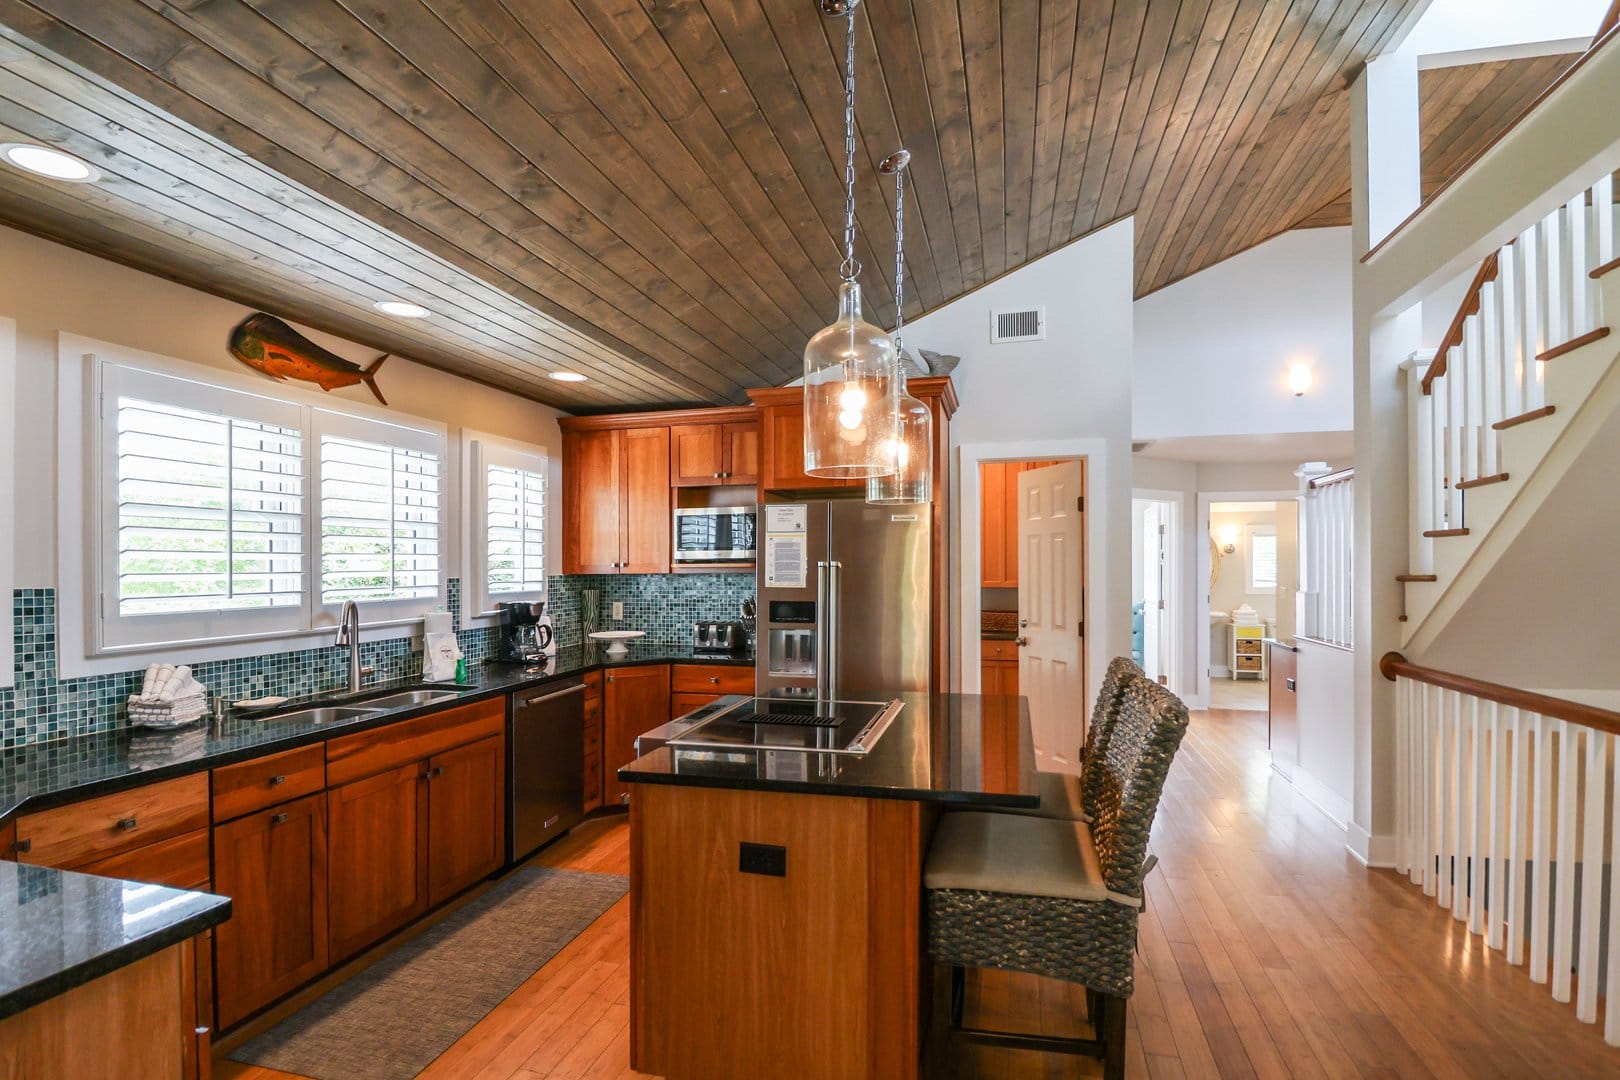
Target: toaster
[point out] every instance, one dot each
(719, 638)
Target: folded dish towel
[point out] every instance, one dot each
(169, 697)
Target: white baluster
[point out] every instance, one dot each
(1420, 413)
(1490, 365)
(1437, 450)
(1496, 907)
(1423, 872)
(1476, 819)
(1473, 385)
(1452, 871)
(1510, 295)
(1611, 992)
(1403, 773)
(1564, 890)
(1602, 237)
(1574, 265)
(1434, 779)
(1530, 326)
(1592, 824)
(1517, 804)
(1540, 919)
(1456, 423)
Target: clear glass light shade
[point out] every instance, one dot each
(848, 411)
(912, 453)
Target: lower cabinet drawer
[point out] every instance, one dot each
(712, 679)
(180, 862)
(67, 837)
(254, 785)
(996, 649)
(593, 780)
(681, 704)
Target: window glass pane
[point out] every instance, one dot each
(515, 518)
(379, 521)
(209, 511)
(1262, 561)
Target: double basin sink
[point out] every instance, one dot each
(356, 710)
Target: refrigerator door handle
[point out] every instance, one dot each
(827, 575)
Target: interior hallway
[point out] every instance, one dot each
(1247, 694)
(1266, 950)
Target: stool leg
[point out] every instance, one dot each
(1112, 1034)
(958, 996)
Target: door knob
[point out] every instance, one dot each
(1021, 642)
(1023, 622)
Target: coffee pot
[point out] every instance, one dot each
(526, 632)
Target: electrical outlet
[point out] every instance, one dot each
(618, 609)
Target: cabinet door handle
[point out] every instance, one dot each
(22, 847)
(437, 770)
(718, 475)
(274, 780)
(126, 824)
(714, 679)
(279, 819)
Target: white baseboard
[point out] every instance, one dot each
(1323, 798)
(1369, 850)
(1219, 671)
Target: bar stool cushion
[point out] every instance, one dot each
(1016, 854)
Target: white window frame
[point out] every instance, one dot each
(1249, 534)
(81, 363)
(117, 631)
(349, 425)
(8, 500)
(480, 452)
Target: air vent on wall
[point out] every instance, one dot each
(1017, 324)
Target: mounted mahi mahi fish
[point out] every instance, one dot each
(265, 343)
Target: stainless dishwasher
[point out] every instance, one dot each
(545, 772)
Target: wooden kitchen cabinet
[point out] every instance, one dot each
(272, 864)
(466, 818)
(593, 741)
(635, 699)
(377, 877)
(616, 501)
(711, 455)
(998, 521)
(998, 684)
(782, 443)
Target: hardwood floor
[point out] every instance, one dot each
(1265, 951)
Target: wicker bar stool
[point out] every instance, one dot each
(1059, 898)
(1070, 797)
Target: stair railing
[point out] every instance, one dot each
(1531, 300)
(1503, 799)
(1327, 558)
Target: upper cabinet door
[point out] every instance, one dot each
(645, 509)
(996, 566)
(592, 502)
(783, 441)
(742, 453)
(697, 455)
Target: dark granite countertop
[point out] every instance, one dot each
(65, 771)
(59, 930)
(932, 752)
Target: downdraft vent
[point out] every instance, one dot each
(1022, 324)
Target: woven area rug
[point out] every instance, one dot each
(392, 1019)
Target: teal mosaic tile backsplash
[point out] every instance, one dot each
(42, 708)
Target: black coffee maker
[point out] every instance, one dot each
(525, 636)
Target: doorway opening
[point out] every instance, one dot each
(1032, 597)
(1253, 581)
(1157, 617)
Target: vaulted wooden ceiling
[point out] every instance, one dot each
(648, 191)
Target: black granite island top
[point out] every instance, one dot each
(59, 930)
(65, 771)
(933, 751)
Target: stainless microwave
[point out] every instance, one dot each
(714, 534)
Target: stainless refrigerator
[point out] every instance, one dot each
(845, 599)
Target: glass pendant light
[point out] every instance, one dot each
(911, 449)
(849, 365)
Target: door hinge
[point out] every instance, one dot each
(1082, 628)
(1161, 530)
(1161, 605)
(1080, 504)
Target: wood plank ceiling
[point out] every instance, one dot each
(647, 191)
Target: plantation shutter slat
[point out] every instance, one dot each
(515, 527)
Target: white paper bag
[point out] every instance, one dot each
(439, 655)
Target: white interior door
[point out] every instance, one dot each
(1153, 620)
(1051, 610)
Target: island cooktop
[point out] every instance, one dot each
(835, 727)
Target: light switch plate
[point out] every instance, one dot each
(618, 609)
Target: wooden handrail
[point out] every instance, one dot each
(1332, 478)
(1488, 271)
(1611, 20)
(1394, 664)
(1609, 32)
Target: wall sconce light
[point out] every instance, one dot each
(1228, 539)
(1299, 378)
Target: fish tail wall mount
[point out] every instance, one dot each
(272, 348)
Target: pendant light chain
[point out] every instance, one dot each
(850, 269)
(899, 270)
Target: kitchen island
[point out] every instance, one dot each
(776, 895)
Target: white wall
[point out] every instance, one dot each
(48, 289)
(1325, 771)
(1213, 350)
(1461, 25)
(1043, 399)
(1179, 478)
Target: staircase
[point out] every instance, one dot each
(1524, 380)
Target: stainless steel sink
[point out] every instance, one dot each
(325, 714)
(410, 697)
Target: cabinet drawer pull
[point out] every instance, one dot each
(22, 847)
(715, 679)
(274, 780)
(126, 824)
(279, 819)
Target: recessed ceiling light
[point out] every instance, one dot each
(43, 161)
(402, 309)
(567, 376)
